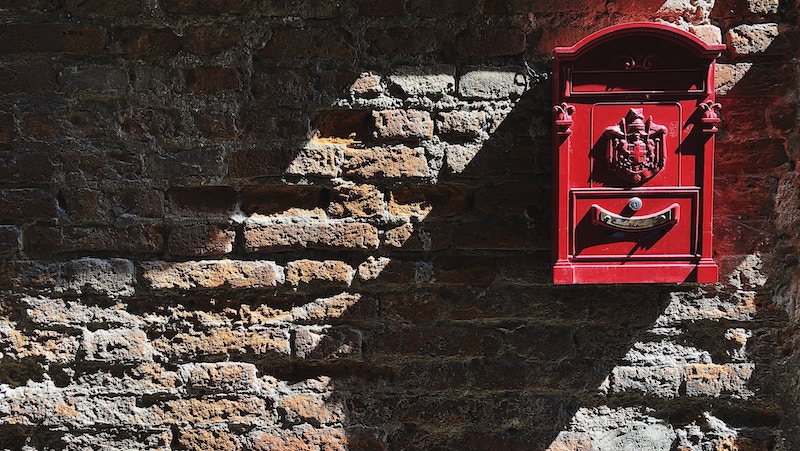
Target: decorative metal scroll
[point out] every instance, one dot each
(563, 118)
(636, 147)
(709, 118)
(644, 61)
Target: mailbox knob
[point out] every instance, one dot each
(635, 203)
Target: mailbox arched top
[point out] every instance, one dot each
(640, 30)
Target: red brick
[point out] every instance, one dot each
(210, 41)
(314, 235)
(41, 239)
(327, 343)
(10, 239)
(424, 308)
(766, 79)
(259, 162)
(436, 341)
(149, 44)
(205, 80)
(743, 118)
(26, 204)
(202, 200)
(207, 7)
(380, 8)
(33, 78)
(274, 199)
(103, 8)
(491, 42)
(393, 41)
(205, 439)
(302, 438)
(327, 42)
(403, 124)
(200, 240)
(733, 236)
(85, 124)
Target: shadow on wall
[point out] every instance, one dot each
(460, 342)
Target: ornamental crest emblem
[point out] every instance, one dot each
(636, 147)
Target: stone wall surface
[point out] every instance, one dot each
(325, 225)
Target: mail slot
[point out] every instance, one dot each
(634, 120)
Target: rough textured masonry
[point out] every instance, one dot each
(324, 225)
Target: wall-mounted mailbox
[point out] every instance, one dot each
(634, 125)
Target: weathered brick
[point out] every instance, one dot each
(211, 40)
(343, 124)
(138, 201)
(302, 437)
(194, 439)
(40, 127)
(10, 239)
(402, 124)
(6, 128)
(277, 199)
(421, 236)
(317, 158)
(240, 409)
(385, 162)
(201, 200)
(315, 235)
(729, 201)
(750, 156)
(211, 274)
(461, 123)
(216, 125)
(464, 270)
(748, 39)
(26, 204)
(436, 341)
(201, 240)
(661, 382)
(31, 38)
(227, 377)
(272, 123)
(510, 234)
(259, 162)
(28, 78)
(512, 198)
(306, 9)
(315, 408)
(42, 239)
(327, 342)
(392, 41)
(356, 201)
(491, 83)
(84, 41)
(440, 200)
(447, 8)
(224, 341)
(284, 87)
(320, 42)
(435, 80)
(367, 85)
(314, 273)
(117, 345)
(109, 80)
(206, 80)
(147, 124)
(491, 42)
(207, 7)
(148, 44)
(380, 8)
(102, 8)
(718, 380)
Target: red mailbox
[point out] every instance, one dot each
(634, 126)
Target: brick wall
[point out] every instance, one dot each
(318, 225)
